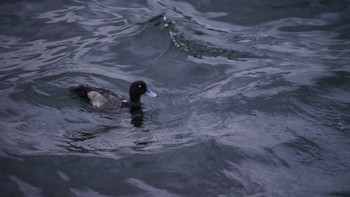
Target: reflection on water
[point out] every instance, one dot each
(136, 117)
(254, 98)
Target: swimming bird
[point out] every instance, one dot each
(108, 100)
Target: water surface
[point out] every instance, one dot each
(254, 98)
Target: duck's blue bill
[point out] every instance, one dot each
(150, 93)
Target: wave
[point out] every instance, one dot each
(193, 47)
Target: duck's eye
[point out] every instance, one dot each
(140, 86)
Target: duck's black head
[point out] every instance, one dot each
(137, 89)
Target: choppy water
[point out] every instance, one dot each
(254, 98)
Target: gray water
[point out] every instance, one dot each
(254, 98)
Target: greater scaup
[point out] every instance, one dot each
(105, 99)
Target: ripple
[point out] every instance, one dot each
(66, 14)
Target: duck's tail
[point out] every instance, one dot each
(80, 91)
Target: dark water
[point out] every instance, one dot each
(254, 98)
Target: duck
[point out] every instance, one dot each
(107, 100)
